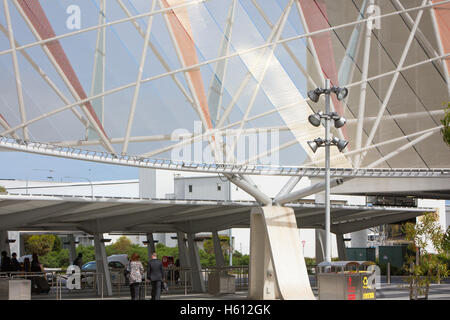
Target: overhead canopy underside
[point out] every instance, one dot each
(129, 215)
(96, 76)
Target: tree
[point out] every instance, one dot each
(446, 123)
(40, 244)
(208, 245)
(57, 245)
(122, 245)
(425, 267)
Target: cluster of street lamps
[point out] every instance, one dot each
(316, 120)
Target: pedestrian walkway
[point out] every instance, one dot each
(387, 292)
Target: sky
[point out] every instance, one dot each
(161, 108)
(18, 165)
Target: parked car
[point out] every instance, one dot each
(116, 263)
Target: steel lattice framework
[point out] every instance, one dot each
(240, 68)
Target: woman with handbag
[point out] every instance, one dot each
(135, 274)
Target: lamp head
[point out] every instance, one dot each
(314, 145)
(314, 94)
(341, 93)
(339, 122)
(340, 144)
(315, 119)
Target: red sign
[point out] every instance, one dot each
(167, 261)
(351, 291)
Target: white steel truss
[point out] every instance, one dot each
(165, 164)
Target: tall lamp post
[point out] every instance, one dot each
(316, 120)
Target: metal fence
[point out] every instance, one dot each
(179, 281)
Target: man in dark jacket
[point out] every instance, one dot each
(6, 262)
(15, 265)
(78, 260)
(155, 274)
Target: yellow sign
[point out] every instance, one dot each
(369, 295)
(365, 283)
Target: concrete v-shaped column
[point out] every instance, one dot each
(72, 248)
(198, 283)
(4, 246)
(342, 254)
(320, 245)
(220, 261)
(102, 265)
(277, 265)
(183, 256)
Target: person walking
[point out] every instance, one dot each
(15, 265)
(26, 265)
(78, 260)
(36, 266)
(6, 262)
(135, 274)
(155, 273)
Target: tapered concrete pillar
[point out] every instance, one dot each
(150, 246)
(183, 255)
(22, 245)
(320, 245)
(182, 250)
(4, 245)
(102, 266)
(72, 249)
(198, 282)
(277, 266)
(342, 254)
(220, 260)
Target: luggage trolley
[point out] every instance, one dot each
(346, 280)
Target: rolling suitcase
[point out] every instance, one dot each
(142, 291)
(41, 285)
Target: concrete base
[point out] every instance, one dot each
(277, 266)
(15, 289)
(219, 283)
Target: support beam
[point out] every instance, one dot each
(260, 77)
(4, 245)
(216, 87)
(320, 245)
(156, 52)
(58, 59)
(151, 245)
(299, 194)
(401, 149)
(198, 283)
(250, 189)
(342, 254)
(425, 43)
(137, 88)
(393, 82)
(72, 248)
(275, 250)
(372, 222)
(182, 249)
(220, 261)
(12, 44)
(363, 90)
(47, 79)
(102, 266)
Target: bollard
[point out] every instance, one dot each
(389, 273)
(185, 288)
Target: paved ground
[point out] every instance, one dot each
(394, 291)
